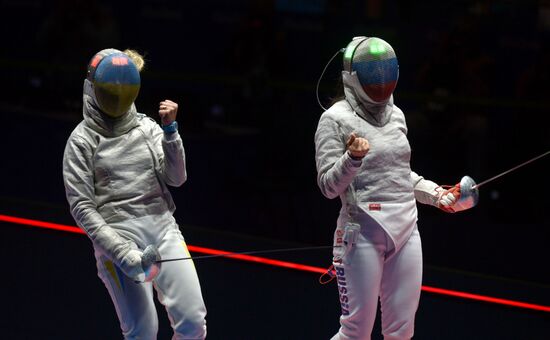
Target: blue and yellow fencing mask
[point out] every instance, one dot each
(116, 81)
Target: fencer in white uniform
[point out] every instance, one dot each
(116, 168)
(363, 157)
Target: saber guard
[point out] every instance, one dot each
(469, 194)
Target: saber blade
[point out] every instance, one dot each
(229, 254)
(510, 170)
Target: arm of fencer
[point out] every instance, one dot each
(79, 189)
(428, 192)
(172, 159)
(425, 191)
(335, 168)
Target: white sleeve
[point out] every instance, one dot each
(172, 158)
(335, 168)
(79, 189)
(425, 191)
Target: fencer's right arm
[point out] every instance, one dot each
(335, 167)
(79, 189)
(425, 191)
(428, 192)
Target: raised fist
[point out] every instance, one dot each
(357, 147)
(167, 111)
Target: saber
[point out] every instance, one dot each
(469, 193)
(228, 254)
(475, 186)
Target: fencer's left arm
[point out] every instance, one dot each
(172, 160)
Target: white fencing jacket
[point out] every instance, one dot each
(116, 173)
(382, 184)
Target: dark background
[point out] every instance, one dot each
(473, 86)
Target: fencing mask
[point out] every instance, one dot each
(116, 81)
(375, 65)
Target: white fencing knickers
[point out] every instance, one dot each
(177, 287)
(371, 269)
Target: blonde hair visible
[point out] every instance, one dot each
(136, 58)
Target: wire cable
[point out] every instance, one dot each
(321, 77)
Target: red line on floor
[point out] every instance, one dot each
(284, 264)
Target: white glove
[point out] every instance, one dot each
(138, 265)
(141, 266)
(448, 198)
(130, 264)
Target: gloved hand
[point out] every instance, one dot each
(448, 198)
(130, 264)
(141, 266)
